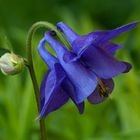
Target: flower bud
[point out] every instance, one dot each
(11, 64)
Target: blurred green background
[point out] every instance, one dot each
(116, 119)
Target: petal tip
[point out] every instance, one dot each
(128, 67)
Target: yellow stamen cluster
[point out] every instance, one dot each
(102, 89)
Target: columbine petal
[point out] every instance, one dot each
(102, 63)
(99, 37)
(58, 99)
(55, 78)
(87, 82)
(53, 94)
(67, 85)
(42, 90)
(49, 59)
(110, 34)
(80, 107)
(95, 97)
(128, 67)
(110, 47)
(70, 34)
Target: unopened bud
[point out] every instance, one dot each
(11, 64)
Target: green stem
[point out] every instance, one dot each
(36, 89)
(31, 32)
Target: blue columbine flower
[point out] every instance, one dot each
(84, 72)
(96, 51)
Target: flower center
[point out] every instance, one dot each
(103, 89)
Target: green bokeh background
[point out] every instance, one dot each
(117, 118)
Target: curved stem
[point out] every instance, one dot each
(31, 32)
(36, 89)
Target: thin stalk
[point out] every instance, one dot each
(36, 89)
